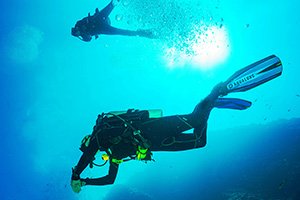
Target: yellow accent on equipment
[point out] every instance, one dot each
(141, 153)
(105, 157)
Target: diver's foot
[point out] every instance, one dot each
(146, 33)
(223, 90)
(220, 89)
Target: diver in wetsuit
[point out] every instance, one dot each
(142, 135)
(135, 134)
(99, 23)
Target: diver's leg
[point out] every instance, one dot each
(109, 30)
(158, 130)
(166, 133)
(184, 141)
(202, 110)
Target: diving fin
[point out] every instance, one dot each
(232, 103)
(254, 74)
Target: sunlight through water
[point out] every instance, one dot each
(189, 33)
(205, 47)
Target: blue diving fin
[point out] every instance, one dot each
(254, 74)
(232, 103)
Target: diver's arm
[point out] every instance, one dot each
(106, 180)
(82, 164)
(85, 159)
(107, 10)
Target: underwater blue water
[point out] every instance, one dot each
(53, 86)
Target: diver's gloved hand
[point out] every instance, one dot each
(77, 184)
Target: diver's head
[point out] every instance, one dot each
(76, 31)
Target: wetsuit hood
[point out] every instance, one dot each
(77, 33)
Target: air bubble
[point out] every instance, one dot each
(119, 17)
(125, 3)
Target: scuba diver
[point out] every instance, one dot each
(134, 135)
(99, 23)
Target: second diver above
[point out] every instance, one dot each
(99, 23)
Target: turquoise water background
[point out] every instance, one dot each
(53, 86)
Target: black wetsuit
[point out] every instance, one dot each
(165, 134)
(99, 23)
